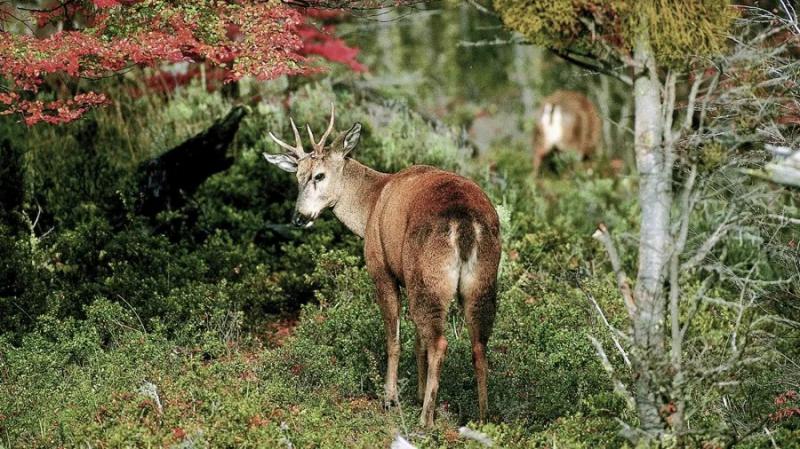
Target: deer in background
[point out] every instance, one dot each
(431, 231)
(566, 121)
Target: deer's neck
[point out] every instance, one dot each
(362, 186)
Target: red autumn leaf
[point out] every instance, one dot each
(178, 433)
(98, 38)
(106, 3)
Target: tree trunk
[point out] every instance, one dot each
(526, 72)
(655, 199)
(386, 38)
(604, 104)
(12, 187)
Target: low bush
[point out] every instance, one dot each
(249, 333)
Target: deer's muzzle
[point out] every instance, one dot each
(302, 221)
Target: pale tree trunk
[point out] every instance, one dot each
(386, 38)
(604, 104)
(653, 163)
(624, 120)
(526, 71)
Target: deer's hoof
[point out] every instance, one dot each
(426, 423)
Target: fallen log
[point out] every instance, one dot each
(167, 181)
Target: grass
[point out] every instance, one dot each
(213, 320)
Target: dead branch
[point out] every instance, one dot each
(492, 42)
(614, 331)
(481, 8)
(710, 243)
(687, 200)
(623, 282)
(784, 219)
(697, 299)
(619, 387)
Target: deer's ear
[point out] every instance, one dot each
(285, 162)
(351, 139)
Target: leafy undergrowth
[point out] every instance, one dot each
(241, 398)
(234, 400)
(103, 382)
(233, 330)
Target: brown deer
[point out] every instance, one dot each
(431, 231)
(567, 121)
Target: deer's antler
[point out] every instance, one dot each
(320, 146)
(297, 149)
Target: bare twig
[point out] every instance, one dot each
(593, 66)
(138, 318)
(679, 242)
(698, 80)
(710, 243)
(792, 20)
(619, 387)
(623, 282)
(614, 331)
(481, 8)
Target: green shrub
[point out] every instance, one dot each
(95, 301)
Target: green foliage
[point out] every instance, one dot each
(575, 432)
(679, 32)
(87, 393)
(552, 23)
(321, 387)
(104, 304)
(12, 182)
(543, 364)
(255, 333)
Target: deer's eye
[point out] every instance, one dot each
(319, 177)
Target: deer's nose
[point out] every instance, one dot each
(300, 220)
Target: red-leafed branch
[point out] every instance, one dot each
(92, 39)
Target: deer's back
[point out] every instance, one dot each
(423, 202)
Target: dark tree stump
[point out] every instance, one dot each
(167, 181)
(12, 185)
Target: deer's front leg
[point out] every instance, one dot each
(389, 302)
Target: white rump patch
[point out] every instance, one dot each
(452, 236)
(552, 125)
(467, 268)
(454, 269)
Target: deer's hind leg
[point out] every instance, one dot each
(477, 291)
(429, 312)
(480, 319)
(431, 286)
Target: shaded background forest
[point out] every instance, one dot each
(215, 324)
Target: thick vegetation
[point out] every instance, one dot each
(214, 324)
(219, 326)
